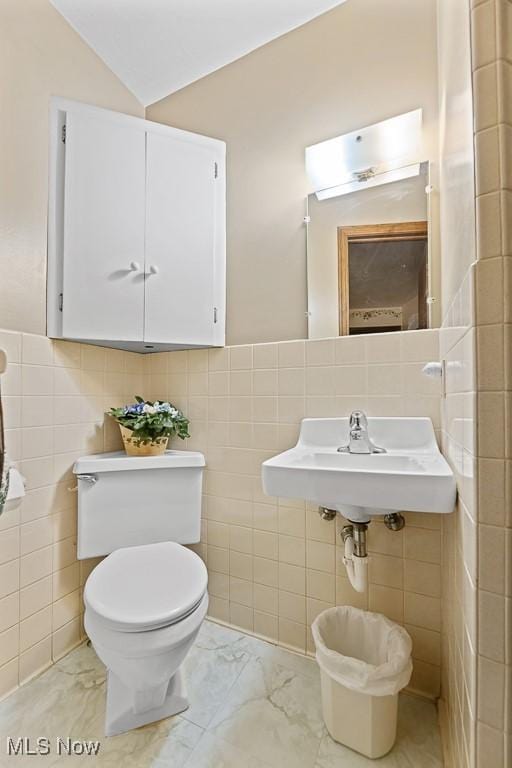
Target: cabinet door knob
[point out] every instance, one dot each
(153, 270)
(134, 266)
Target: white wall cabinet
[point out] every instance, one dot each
(136, 235)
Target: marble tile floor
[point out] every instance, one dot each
(252, 705)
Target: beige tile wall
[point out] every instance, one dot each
(492, 82)
(54, 396)
(457, 340)
(460, 532)
(477, 543)
(273, 563)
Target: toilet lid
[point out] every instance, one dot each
(146, 587)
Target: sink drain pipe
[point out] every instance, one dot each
(355, 557)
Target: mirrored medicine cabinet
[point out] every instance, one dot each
(368, 234)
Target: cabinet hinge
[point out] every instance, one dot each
(63, 134)
(215, 314)
(61, 297)
(215, 170)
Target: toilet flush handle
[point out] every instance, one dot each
(91, 479)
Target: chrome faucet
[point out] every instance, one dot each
(359, 440)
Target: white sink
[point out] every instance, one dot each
(412, 475)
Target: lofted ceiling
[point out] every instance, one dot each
(156, 47)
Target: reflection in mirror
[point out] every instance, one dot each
(367, 259)
(382, 272)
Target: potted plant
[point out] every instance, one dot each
(147, 426)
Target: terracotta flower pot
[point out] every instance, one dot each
(133, 448)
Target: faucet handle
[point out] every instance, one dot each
(358, 420)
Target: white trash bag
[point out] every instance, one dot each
(364, 651)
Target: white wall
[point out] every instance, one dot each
(457, 167)
(360, 63)
(40, 56)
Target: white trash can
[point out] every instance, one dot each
(364, 660)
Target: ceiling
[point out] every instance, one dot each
(156, 47)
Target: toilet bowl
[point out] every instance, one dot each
(144, 606)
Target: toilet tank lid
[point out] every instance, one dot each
(118, 461)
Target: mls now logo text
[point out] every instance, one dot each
(40, 746)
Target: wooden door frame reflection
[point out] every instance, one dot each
(368, 233)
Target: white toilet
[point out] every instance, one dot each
(145, 602)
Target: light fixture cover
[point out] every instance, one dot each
(376, 180)
(378, 154)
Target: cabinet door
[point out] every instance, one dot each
(104, 219)
(180, 241)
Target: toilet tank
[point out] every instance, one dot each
(128, 500)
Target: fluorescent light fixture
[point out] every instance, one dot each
(363, 158)
(374, 180)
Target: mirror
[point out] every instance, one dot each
(368, 258)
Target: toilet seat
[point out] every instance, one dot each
(142, 588)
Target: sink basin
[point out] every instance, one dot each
(412, 475)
